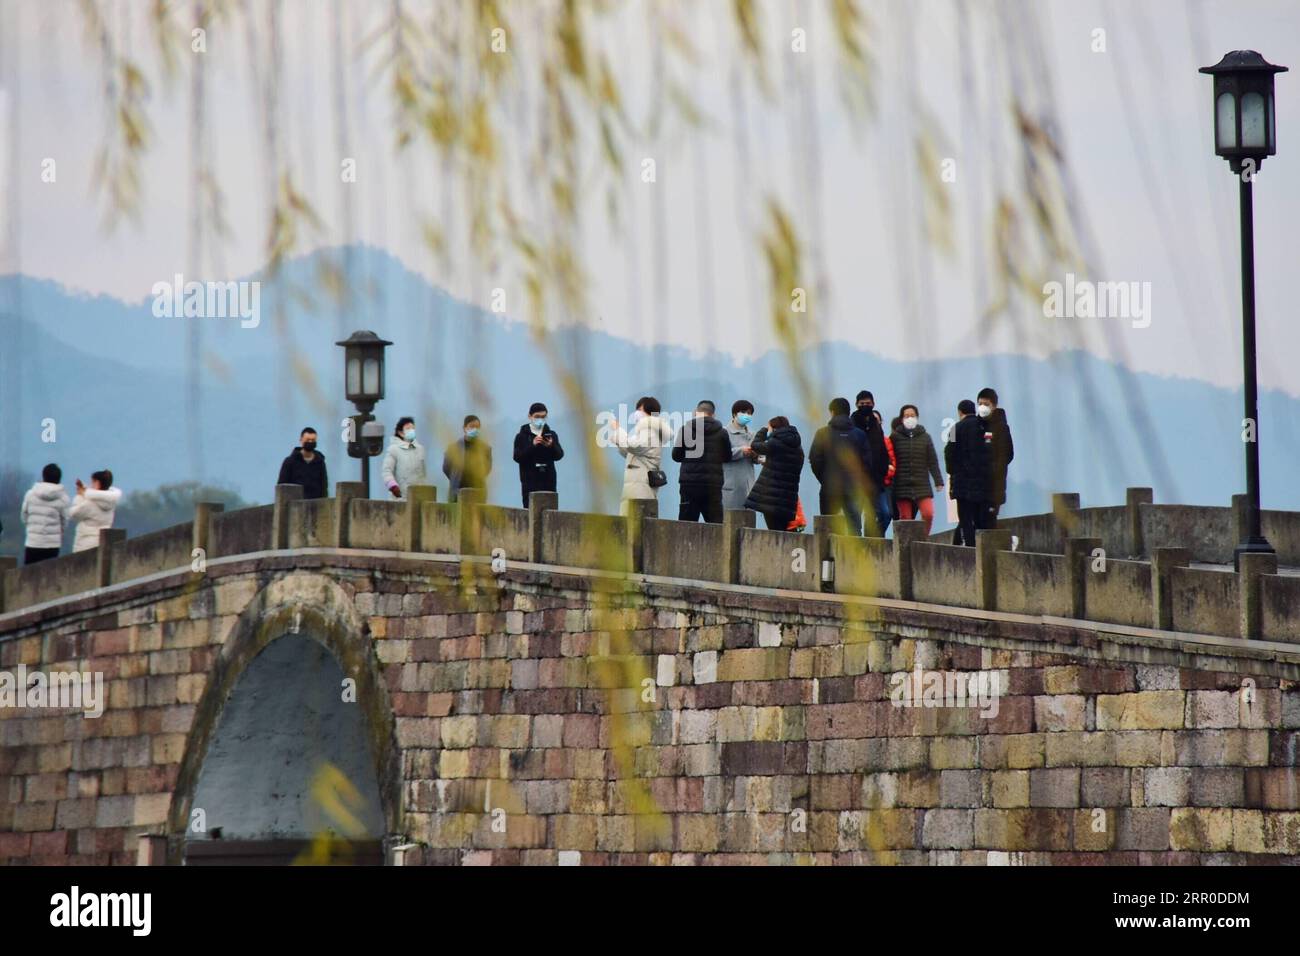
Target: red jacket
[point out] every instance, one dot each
(893, 462)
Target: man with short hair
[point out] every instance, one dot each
(537, 449)
(738, 473)
(966, 457)
(45, 513)
(306, 466)
(702, 448)
(841, 460)
(877, 493)
(1001, 450)
(468, 460)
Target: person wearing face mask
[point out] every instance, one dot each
(877, 496)
(841, 461)
(916, 463)
(966, 458)
(404, 463)
(738, 473)
(537, 449)
(643, 447)
(468, 460)
(306, 466)
(1001, 449)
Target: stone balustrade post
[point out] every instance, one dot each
(416, 496)
(1078, 558)
(1163, 562)
(285, 495)
(988, 542)
(539, 502)
(733, 522)
(906, 533)
(1134, 539)
(201, 537)
(638, 510)
(108, 537)
(7, 564)
(469, 518)
(1250, 582)
(1065, 509)
(344, 492)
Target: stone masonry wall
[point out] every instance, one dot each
(744, 726)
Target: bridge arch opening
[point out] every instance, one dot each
(292, 752)
(289, 775)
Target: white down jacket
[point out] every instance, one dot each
(45, 513)
(93, 510)
(404, 465)
(643, 448)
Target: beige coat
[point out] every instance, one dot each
(643, 448)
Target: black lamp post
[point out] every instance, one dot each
(363, 382)
(1245, 131)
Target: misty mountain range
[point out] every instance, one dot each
(112, 377)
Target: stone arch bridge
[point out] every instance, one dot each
(417, 682)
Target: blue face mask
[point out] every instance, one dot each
(471, 433)
(409, 434)
(744, 418)
(537, 424)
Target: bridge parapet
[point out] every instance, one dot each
(1130, 565)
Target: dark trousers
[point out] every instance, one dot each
(778, 521)
(700, 500)
(884, 509)
(835, 504)
(972, 516)
(33, 555)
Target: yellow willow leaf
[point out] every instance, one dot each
(685, 106)
(937, 203)
(568, 32)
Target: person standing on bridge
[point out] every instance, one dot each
(840, 457)
(468, 461)
(916, 464)
(738, 473)
(404, 463)
(776, 493)
(643, 447)
(94, 509)
(967, 461)
(1001, 450)
(306, 466)
(703, 448)
(877, 496)
(537, 449)
(45, 513)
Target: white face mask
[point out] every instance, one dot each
(984, 411)
(909, 422)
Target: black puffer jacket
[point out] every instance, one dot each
(702, 447)
(916, 463)
(777, 490)
(967, 459)
(876, 439)
(1001, 451)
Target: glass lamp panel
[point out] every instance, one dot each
(1225, 126)
(1254, 121)
(1272, 126)
(354, 374)
(370, 377)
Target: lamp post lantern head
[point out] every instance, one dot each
(363, 369)
(1245, 121)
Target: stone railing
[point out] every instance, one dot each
(1125, 566)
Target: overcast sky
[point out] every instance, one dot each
(1161, 207)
